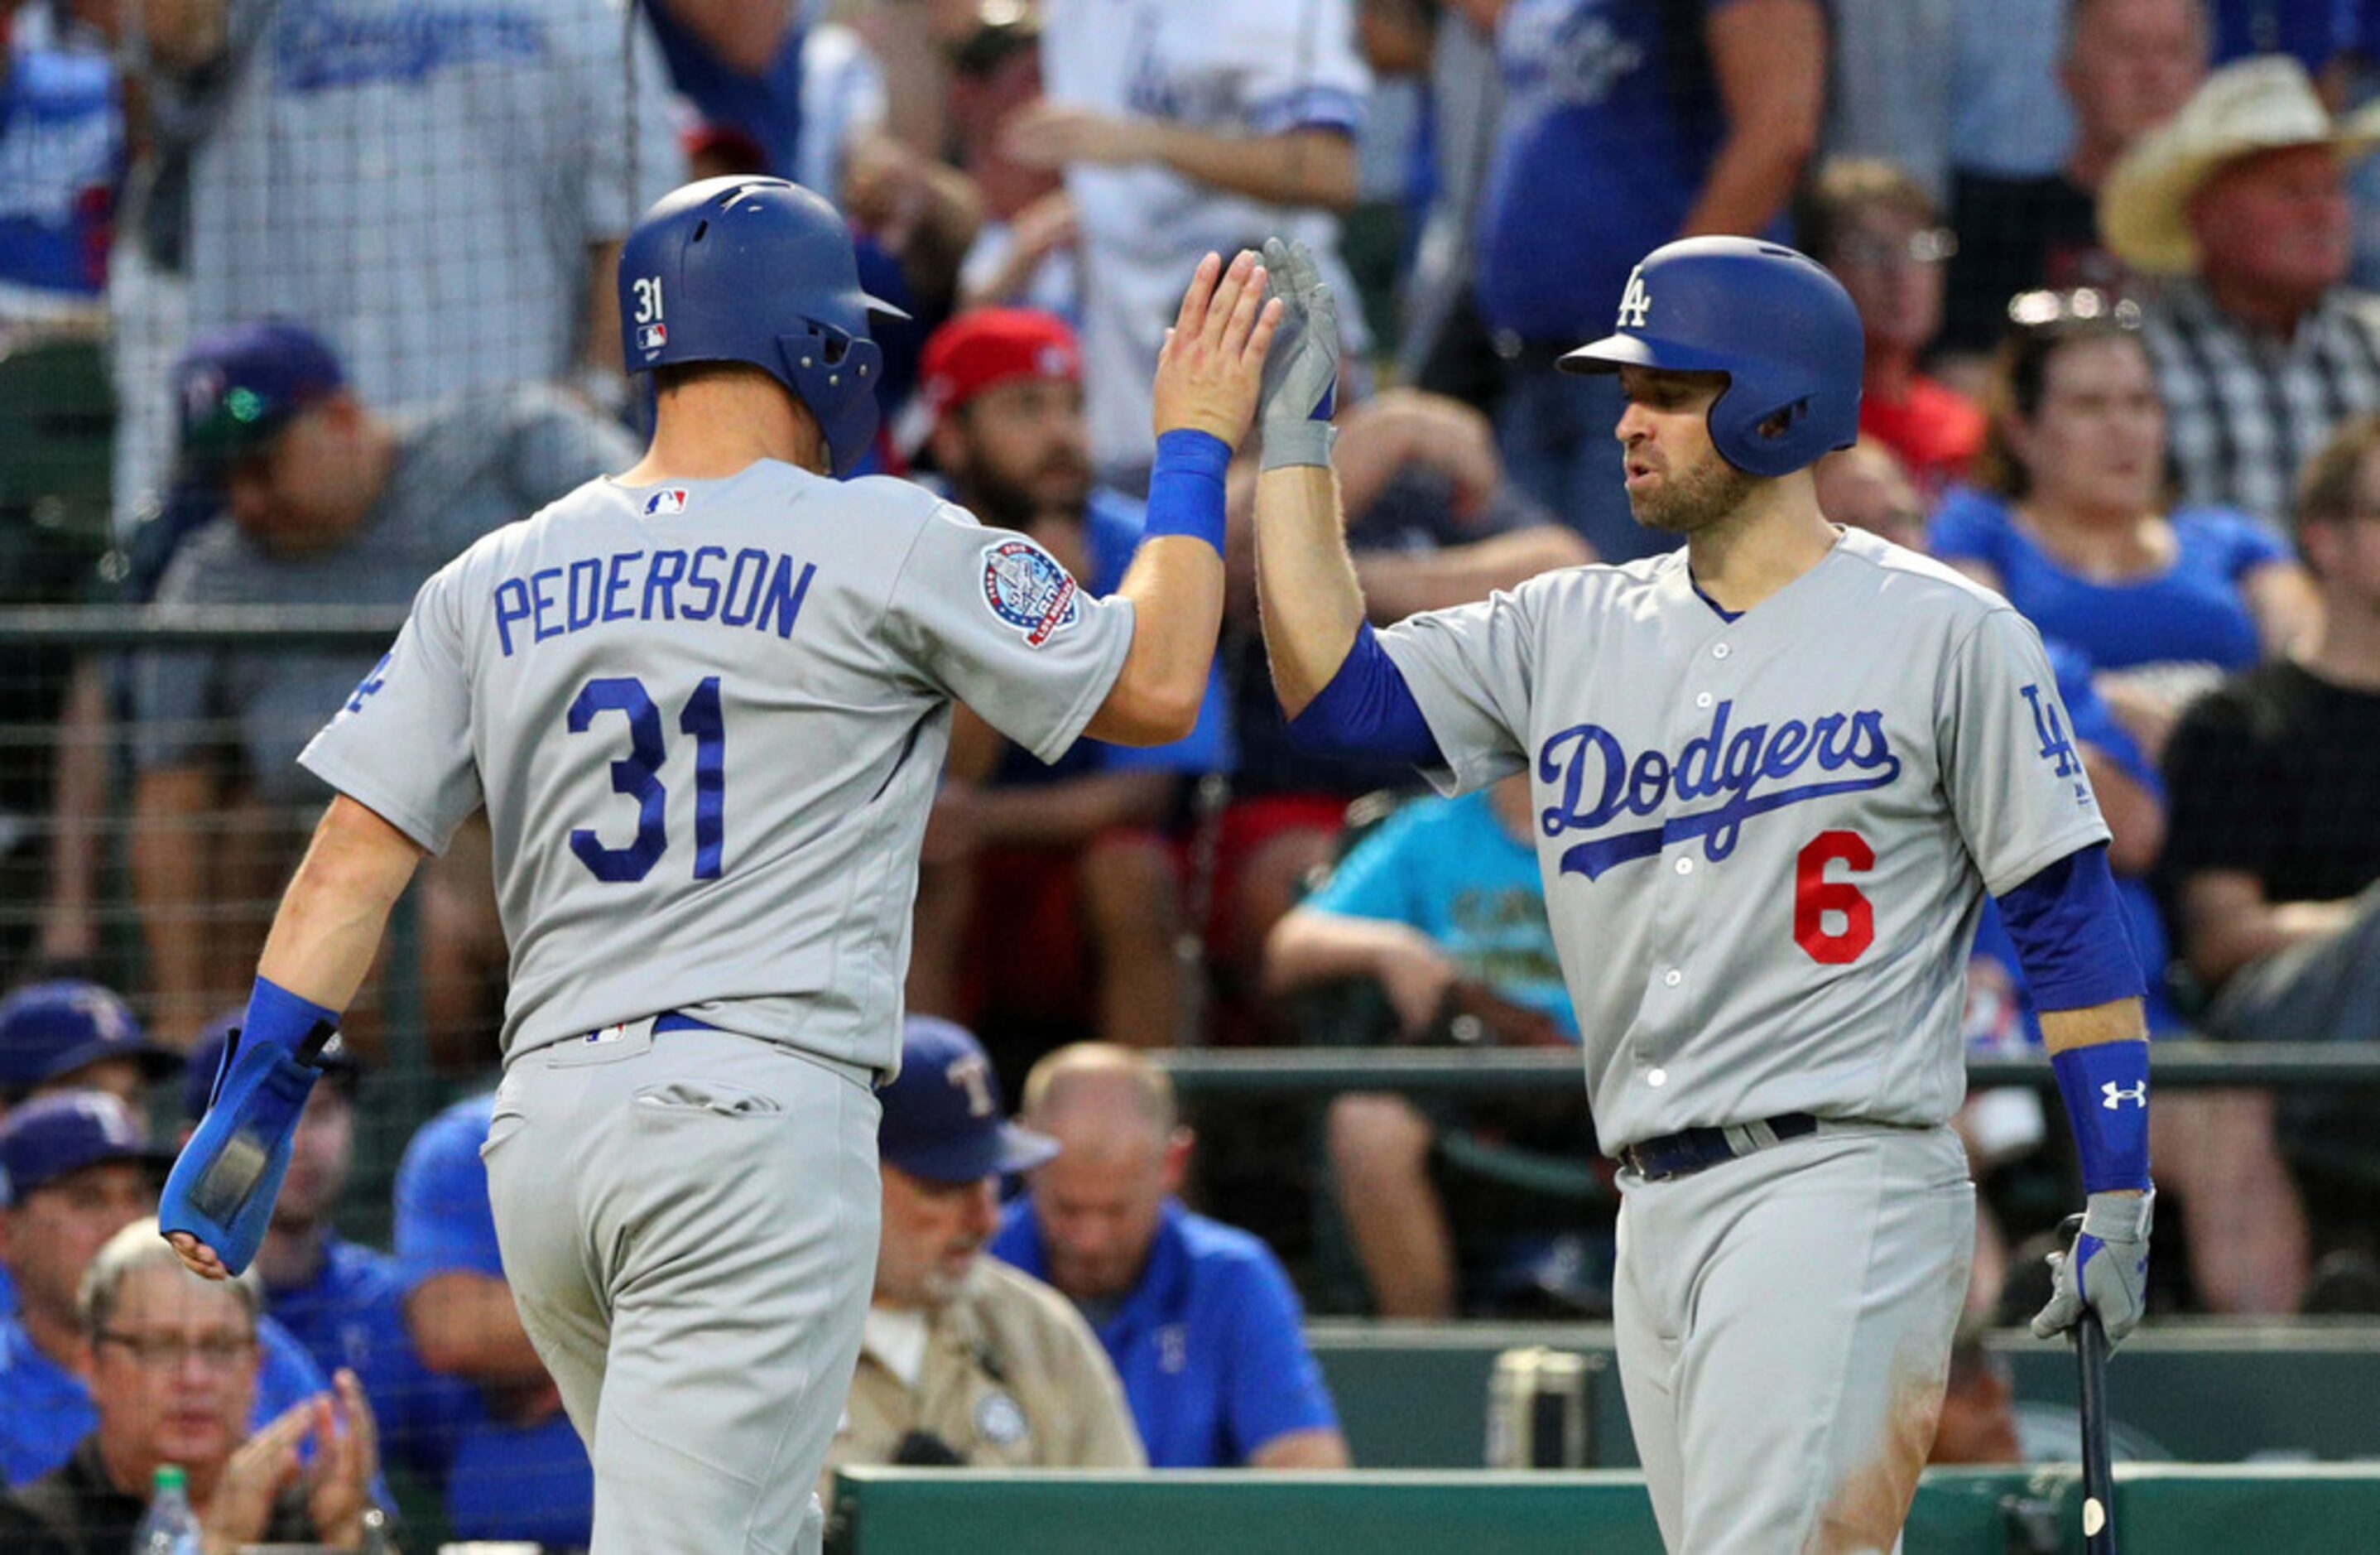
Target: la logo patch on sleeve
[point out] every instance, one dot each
(1025, 586)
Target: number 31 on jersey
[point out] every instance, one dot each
(637, 775)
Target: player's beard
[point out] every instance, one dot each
(1693, 498)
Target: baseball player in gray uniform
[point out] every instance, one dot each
(705, 703)
(1773, 774)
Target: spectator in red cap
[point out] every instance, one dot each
(1072, 863)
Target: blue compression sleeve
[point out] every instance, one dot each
(2069, 929)
(2106, 1090)
(223, 1186)
(1185, 487)
(1367, 709)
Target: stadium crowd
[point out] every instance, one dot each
(347, 267)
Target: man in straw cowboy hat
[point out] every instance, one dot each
(2260, 348)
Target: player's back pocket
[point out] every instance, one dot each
(701, 1097)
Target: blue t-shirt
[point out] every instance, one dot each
(505, 1482)
(2018, 1025)
(1610, 119)
(46, 1409)
(352, 1315)
(61, 159)
(1210, 1344)
(1448, 867)
(2194, 612)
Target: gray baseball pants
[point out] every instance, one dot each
(688, 1222)
(1783, 1322)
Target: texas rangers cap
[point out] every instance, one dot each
(991, 346)
(52, 1028)
(338, 1066)
(238, 386)
(943, 1118)
(54, 1136)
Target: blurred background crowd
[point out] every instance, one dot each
(298, 297)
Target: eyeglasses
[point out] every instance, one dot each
(166, 1352)
(2046, 310)
(1933, 245)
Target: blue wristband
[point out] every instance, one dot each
(1185, 487)
(2107, 1091)
(285, 1020)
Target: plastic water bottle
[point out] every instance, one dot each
(170, 1527)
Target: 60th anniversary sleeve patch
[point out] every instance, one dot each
(1025, 586)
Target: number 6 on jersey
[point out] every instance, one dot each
(1814, 896)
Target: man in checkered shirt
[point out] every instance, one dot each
(2260, 346)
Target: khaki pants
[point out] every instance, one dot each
(688, 1222)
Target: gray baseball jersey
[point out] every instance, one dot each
(706, 720)
(1764, 841)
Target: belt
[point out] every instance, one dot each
(1688, 1150)
(675, 1020)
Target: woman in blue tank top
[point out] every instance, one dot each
(2067, 519)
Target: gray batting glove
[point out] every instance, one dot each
(1300, 372)
(2107, 1270)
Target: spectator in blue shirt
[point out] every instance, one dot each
(2068, 521)
(341, 1301)
(519, 1471)
(61, 163)
(1626, 123)
(1198, 1317)
(75, 1169)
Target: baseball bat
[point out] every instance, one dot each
(2098, 1461)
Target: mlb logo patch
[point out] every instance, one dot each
(670, 499)
(1025, 586)
(652, 337)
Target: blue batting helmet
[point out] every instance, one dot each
(760, 271)
(1780, 327)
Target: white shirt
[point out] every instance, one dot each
(1229, 68)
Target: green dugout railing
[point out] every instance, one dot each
(2159, 1511)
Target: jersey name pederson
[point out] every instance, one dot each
(758, 590)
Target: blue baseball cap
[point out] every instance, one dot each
(239, 385)
(54, 1136)
(53, 1028)
(942, 1118)
(206, 1056)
